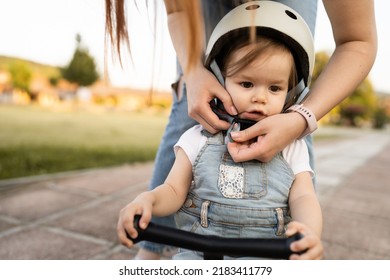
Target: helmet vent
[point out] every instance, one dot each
(252, 7)
(291, 14)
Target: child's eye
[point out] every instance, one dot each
(274, 88)
(246, 84)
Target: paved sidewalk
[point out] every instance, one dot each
(354, 190)
(73, 215)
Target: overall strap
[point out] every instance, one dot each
(216, 139)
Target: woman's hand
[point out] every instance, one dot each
(271, 135)
(125, 224)
(310, 243)
(202, 88)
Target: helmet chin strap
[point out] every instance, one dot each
(217, 72)
(236, 124)
(300, 89)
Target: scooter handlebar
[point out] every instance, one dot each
(216, 247)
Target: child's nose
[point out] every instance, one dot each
(259, 96)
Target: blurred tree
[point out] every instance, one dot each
(82, 68)
(360, 106)
(322, 59)
(53, 80)
(381, 118)
(20, 75)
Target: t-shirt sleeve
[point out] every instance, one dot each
(191, 142)
(297, 156)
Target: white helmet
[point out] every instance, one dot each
(271, 19)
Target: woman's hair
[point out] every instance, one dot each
(262, 44)
(116, 19)
(117, 29)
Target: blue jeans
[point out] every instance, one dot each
(179, 121)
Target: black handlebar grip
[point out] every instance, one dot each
(276, 248)
(140, 231)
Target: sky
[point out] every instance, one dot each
(45, 31)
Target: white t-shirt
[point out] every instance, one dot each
(295, 154)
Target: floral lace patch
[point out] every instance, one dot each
(231, 180)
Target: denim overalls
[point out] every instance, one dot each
(235, 200)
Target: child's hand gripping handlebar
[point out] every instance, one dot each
(214, 247)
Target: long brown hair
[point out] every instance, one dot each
(117, 29)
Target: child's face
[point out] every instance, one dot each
(260, 89)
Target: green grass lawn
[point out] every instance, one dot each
(37, 141)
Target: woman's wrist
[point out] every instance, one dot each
(309, 117)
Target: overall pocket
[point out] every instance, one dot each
(241, 180)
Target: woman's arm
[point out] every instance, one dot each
(354, 32)
(202, 86)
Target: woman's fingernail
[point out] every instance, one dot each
(234, 134)
(234, 111)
